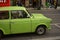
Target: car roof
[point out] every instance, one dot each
(12, 8)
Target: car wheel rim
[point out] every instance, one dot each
(40, 30)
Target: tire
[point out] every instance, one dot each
(41, 30)
(1, 34)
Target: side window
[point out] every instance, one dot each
(18, 14)
(14, 14)
(23, 14)
(4, 15)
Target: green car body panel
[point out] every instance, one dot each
(12, 26)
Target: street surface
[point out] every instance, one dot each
(53, 34)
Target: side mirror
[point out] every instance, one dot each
(28, 16)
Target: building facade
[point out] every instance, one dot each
(32, 3)
(58, 2)
(26, 3)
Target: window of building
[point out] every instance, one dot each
(18, 14)
(4, 14)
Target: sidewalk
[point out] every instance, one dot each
(34, 10)
(58, 8)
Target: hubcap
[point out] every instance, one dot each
(40, 30)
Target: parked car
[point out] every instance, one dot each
(16, 19)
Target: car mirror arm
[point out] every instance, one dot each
(28, 16)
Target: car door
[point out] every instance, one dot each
(19, 22)
(5, 22)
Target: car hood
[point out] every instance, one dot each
(38, 16)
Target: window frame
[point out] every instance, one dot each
(8, 14)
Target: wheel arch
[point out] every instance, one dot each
(2, 31)
(40, 26)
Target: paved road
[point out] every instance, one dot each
(53, 34)
(51, 13)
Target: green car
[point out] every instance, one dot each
(15, 19)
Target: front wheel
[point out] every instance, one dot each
(1, 34)
(41, 30)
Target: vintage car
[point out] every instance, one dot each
(15, 19)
